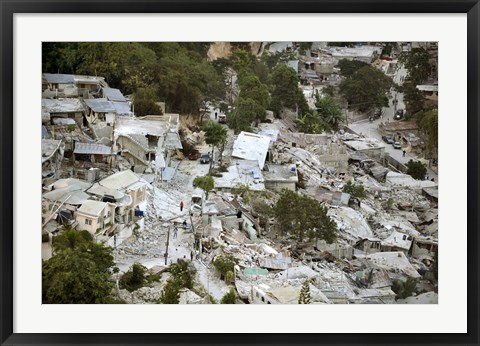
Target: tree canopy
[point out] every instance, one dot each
(428, 122)
(305, 297)
(79, 272)
(285, 92)
(329, 110)
(367, 88)
(246, 111)
(357, 191)
(206, 183)
(417, 63)
(215, 135)
(312, 122)
(349, 67)
(416, 169)
(230, 297)
(303, 216)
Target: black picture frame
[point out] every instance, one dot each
(10, 7)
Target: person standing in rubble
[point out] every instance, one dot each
(404, 152)
(175, 232)
(181, 206)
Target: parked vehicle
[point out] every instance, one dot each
(399, 114)
(205, 158)
(387, 139)
(194, 155)
(397, 145)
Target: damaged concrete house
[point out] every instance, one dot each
(148, 143)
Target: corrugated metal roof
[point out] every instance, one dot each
(100, 105)
(293, 64)
(250, 146)
(92, 148)
(113, 94)
(58, 78)
(122, 108)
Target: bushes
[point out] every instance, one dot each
(230, 297)
(183, 274)
(356, 191)
(134, 278)
(416, 169)
(404, 289)
(224, 265)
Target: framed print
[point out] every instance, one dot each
(209, 168)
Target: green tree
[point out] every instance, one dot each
(404, 289)
(417, 63)
(71, 239)
(357, 191)
(330, 111)
(185, 78)
(252, 88)
(134, 278)
(305, 297)
(303, 216)
(272, 60)
(416, 169)
(367, 88)
(242, 62)
(171, 293)
(216, 136)
(224, 264)
(183, 274)
(412, 97)
(78, 273)
(206, 183)
(230, 297)
(329, 90)
(285, 91)
(349, 67)
(428, 122)
(312, 122)
(246, 111)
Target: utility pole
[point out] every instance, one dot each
(346, 114)
(394, 106)
(166, 245)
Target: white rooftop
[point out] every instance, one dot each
(250, 146)
(398, 239)
(242, 172)
(91, 207)
(365, 144)
(405, 180)
(140, 127)
(393, 261)
(120, 180)
(356, 52)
